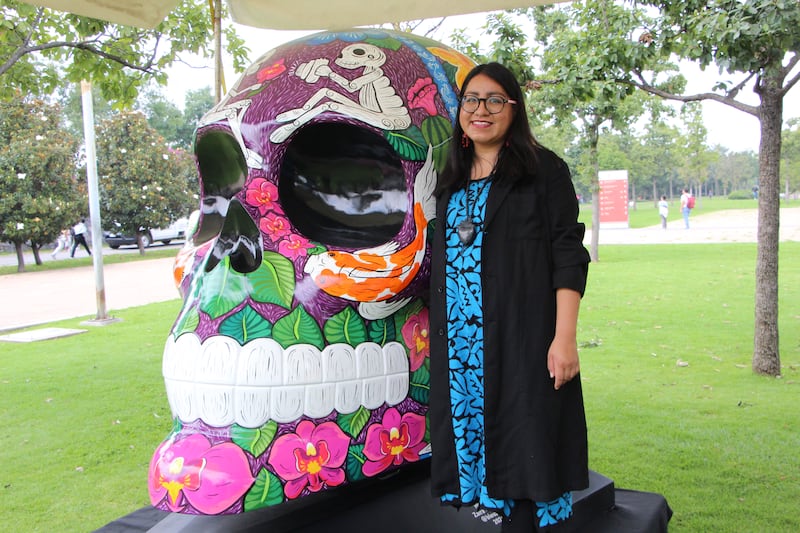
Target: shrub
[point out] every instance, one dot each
(740, 195)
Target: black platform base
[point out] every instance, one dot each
(402, 503)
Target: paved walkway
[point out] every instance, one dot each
(735, 225)
(40, 297)
(33, 298)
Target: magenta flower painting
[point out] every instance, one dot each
(263, 194)
(275, 226)
(416, 336)
(393, 441)
(210, 478)
(294, 246)
(311, 457)
(421, 95)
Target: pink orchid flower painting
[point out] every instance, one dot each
(311, 457)
(395, 440)
(188, 471)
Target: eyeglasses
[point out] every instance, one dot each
(493, 104)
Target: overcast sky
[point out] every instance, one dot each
(728, 127)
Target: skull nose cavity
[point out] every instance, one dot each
(223, 172)
(221, 163)
(239, 240)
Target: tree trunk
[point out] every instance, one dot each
(655, 194)
(766, 357)
(20, 257)
(35, 249)
(140, 242)
(595, 164)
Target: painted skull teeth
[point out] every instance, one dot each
(222, 383)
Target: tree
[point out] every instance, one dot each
(39, 191)
(40, 49)
(197, 103)
(143, 182)
(659, 157)
(575, 41)
(757, 42)
(163, 116)
(734, 170)
(696, 156)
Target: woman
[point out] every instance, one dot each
(663, 211)
(62, 243)
(508, 270)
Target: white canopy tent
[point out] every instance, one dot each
(289, 15)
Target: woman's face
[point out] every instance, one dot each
(487, 130)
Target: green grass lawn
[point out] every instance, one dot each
(666, 336)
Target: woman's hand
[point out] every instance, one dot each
(562, 357)
(562, 360)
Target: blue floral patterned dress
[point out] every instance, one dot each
(465, 356)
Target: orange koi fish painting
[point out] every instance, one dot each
(379, 273)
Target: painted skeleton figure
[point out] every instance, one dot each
(298, 362)
(378, 103)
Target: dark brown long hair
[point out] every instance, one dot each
(517, 158)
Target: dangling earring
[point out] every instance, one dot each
(464, 140)
(507, 143)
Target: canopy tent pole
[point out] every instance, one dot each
(216, 15)
(94, 201)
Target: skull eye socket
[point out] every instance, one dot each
(223, 172)
(343, 186)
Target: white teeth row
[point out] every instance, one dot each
(222, 383)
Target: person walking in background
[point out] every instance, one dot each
(79, 237)
(508, 269)
(63, 242)
(685, 208)
(663, 211)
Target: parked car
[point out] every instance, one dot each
(175, 231)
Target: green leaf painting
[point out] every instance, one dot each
(420, 385)
(354, 422)
(187, 322)
(347, 326)
(389, 43)
(245, 325)
(450, 71)
(408, 143)
(437, 132)
(273, 281)
(298, 327)
(381, 331)
(266, 491)
(254, 440)
(355, 461)
(223, 290)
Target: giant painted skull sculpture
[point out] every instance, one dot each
(299, 362)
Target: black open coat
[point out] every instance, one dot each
(535, 438)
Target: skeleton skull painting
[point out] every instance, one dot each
(299, 361)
